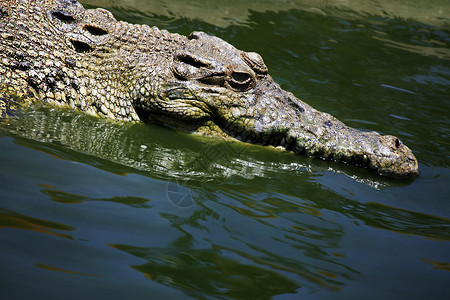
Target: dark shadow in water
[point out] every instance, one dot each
(69, 198)
(56, 269)
(222, 271)
(15, 220)
(210, 272)
(402, 221)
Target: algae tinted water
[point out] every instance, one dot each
(94, 209)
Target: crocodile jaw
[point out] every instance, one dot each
(384, 154)
(272, 116)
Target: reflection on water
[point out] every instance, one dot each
(190, 170)
(276, 229)
(203, 160)
(232, 265)
(214, 272)
(440, 52)
(226, 235)
(399, 220)
(237, 12)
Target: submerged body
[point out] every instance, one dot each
(57, 52)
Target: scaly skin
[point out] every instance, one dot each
(57, 52)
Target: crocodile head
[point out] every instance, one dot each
(220, 90)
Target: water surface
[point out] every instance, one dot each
(96, 209)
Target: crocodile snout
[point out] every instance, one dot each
(394, 158)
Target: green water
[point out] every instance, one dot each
(91, 209)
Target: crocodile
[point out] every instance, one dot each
(59, 53)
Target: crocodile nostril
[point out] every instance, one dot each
(195, 35)
(397, 143)
(296, 104)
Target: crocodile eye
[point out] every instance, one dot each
(240, 81)
(240, 77)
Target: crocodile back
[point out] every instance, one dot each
(56, 51)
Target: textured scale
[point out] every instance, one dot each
(82, 58)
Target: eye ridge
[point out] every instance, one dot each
(214, 79)
(190, 60)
